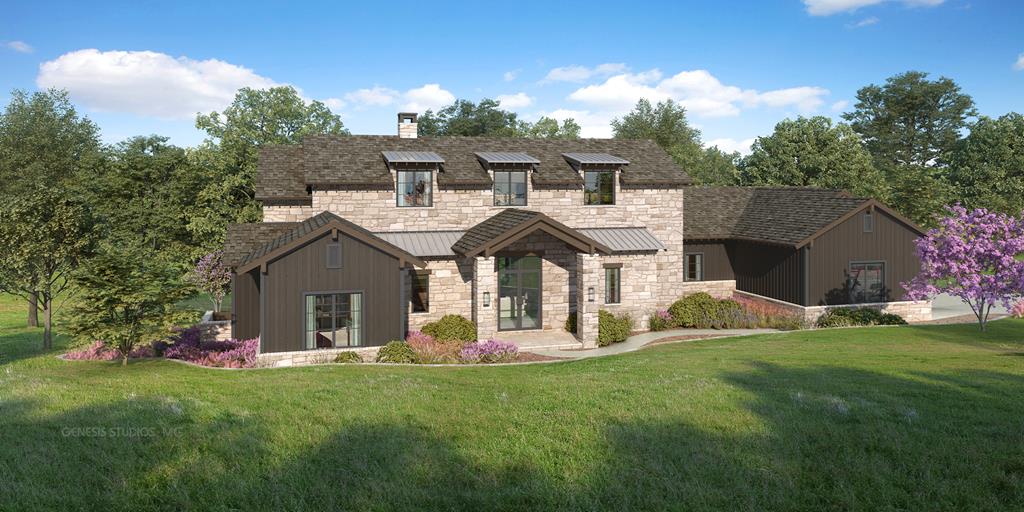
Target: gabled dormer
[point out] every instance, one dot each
(510, 173)
(414, 176)
(600, 176)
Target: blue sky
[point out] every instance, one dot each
(739, 67)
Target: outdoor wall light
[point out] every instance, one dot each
(487, 299)
(590, 294)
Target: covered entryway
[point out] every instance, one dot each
(520, 293)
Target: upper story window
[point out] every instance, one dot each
(509, 188)
(599, 187)
(415, 188)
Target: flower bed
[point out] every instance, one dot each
(99, 351)
(423, 348)
(188, 346)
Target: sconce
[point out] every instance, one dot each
(487, 299)
(590, 294)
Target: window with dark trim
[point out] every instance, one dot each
(334, 255)
(509, 188)
(420, 296)
(415, 188)
(869, 222)
(334, 320)
(612, 285)
(694, 267)
(598, 187)
(866, 281)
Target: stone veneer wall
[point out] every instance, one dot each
(450, 291)
(911, 311)
(320, 356)
(717, 289)
(214, 330)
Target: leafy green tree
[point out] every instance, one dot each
(548, 128)
(987, 167)
(127, 298)
(812, 152)
(666, 125)
(467, 119)
(44, 143)
(256, 117)
(716, 167)
(40, 247)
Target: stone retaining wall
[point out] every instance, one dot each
(911, 311)
(717, 289)
(301, 357)
(214, 330)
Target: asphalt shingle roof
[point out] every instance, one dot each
(783, 215)
(243, 239)
(493, 227)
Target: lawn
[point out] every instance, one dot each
(907, 418)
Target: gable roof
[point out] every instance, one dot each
(512, 224)
(284, 172)
(313, 228)
(792, 216)
(242, 239)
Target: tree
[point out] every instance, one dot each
(977, 256)
(212, 277)
(811, 152)
(127, 298)
(666, 125)
(716, 167)
(548, 128)
(43, 144)
(987, 166)
(468, 119)
(41, 246)
(256, 117)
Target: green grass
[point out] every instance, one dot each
(907, 418)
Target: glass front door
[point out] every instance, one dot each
(519, 292)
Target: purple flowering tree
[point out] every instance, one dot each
(977, 256)
(212, 277)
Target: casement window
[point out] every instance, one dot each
(612, 285)
(415, 188)
(869, 222)
(334, 320)
(509, 188)
(694, 267)
(598, 187)
(333, 255)
(420, 296)
(866, 281)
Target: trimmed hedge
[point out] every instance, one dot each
(612, 329)
(848, 317)
(347, 357)
(396, 352)
(451, 328)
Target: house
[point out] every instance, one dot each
(365, 238)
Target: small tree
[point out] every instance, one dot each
(977, 256)
(127, 298)
(212, 277)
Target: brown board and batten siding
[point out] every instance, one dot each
(890, 241)
(769, 270)
(365, 269)
(716, 259)
(245, 317)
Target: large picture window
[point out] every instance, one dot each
(612, 285)
(599, 187)
(415, 188)
(866, 281)
(420, 292)
(334, 320)
(509, 188)
(694, 267)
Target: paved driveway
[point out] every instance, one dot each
(946, 306)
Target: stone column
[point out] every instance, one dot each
(485, 279)
(588, 275)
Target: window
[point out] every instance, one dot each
(866, 282)
(334, 320)
(414, 188)
(598, 187)
(694, 267)
(334, 255)
(612, 285)
(420, 296)
(869, 222)
(509, 188)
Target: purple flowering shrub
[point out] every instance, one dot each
(99, 351)
(490, 351)
(188, 346)
(661, 320)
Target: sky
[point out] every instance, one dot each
(140, 68)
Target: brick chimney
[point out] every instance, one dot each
(407, 125)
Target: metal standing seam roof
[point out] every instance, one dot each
(594, 159)
(504, 157)
(412, 157)
(424, 244)
(625, 239)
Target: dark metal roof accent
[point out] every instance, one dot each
(625, 239)
(511, 224)
(505, 157)
(594, 159)
(425, 244)
(412, 157)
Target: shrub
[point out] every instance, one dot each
(834, 318)
(347, 357)
(660, 320)
(490, 351)
(430, 351)
(188, 346)
(1018, 310)
(848, 317)
(451, 328)
(693, 310)
(100, 351)
(865, 316)
(612, 329)
(396, 351)
(570, 323)
(766, 314)
(891, 319)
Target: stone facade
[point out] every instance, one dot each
(450, 290)
(717, 289)
(911, 311)
(215, 330)
(304, 357)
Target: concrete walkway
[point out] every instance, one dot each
(948, 306)
(637, 342)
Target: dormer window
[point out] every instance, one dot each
(415, 188)
(599, 187)
(510, 172)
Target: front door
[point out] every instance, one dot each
(519, 292)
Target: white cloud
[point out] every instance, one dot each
(335, 104)
(511, 75)
(1019, 65)
(840, 105)
(830, 7)
(376, 96)
(514, 101)
(18, 46)
(148, 83)
(865, 22)
(582, 73)
(430, 96)
(592, 124)
(729, 145)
